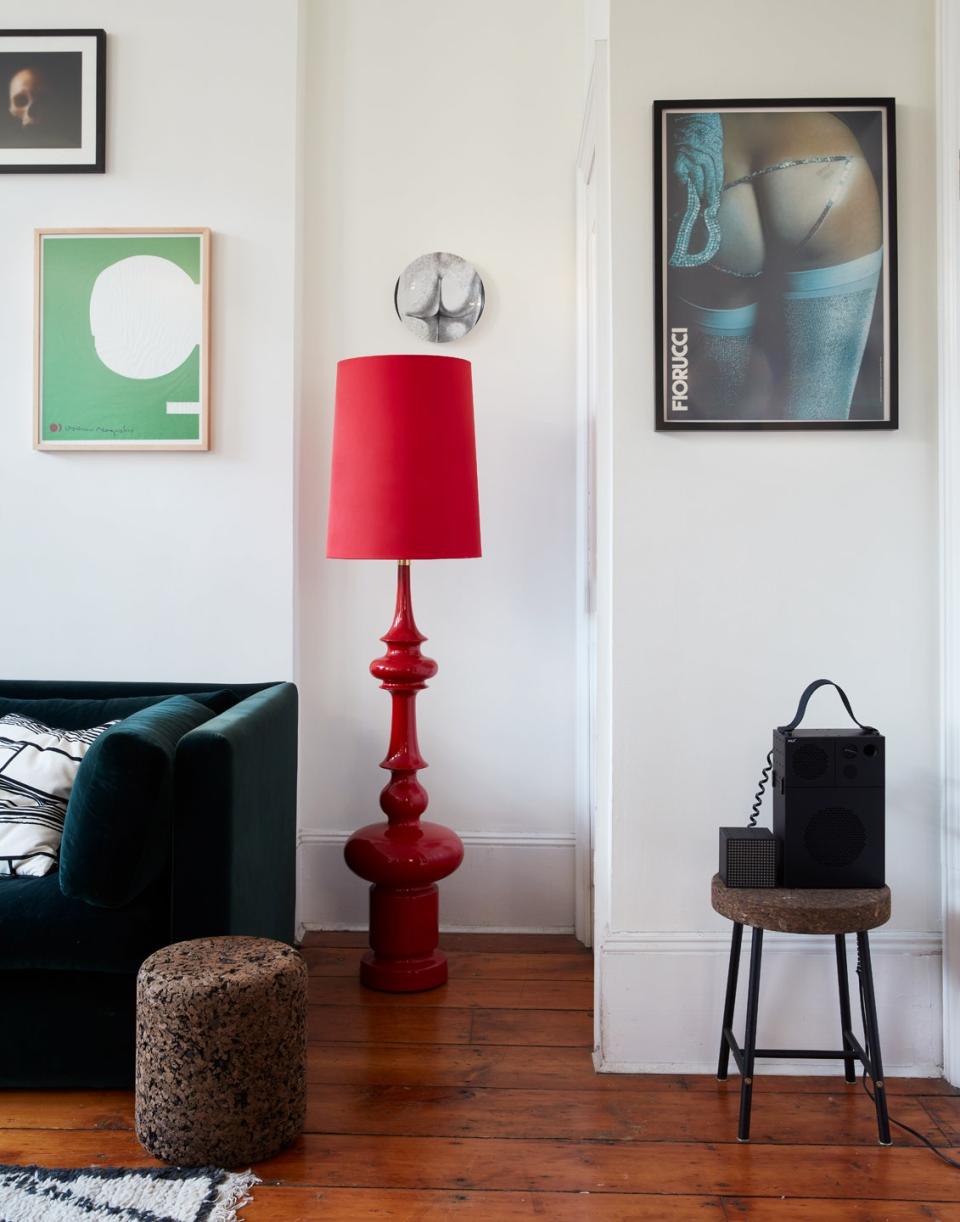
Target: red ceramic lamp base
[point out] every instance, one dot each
(404, 858)
(404, 975)
(403, 937)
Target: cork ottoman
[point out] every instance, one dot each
(221, 1051)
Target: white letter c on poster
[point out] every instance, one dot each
(145, 316)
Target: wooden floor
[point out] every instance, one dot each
(479, 1101)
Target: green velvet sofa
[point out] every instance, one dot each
(223, 848)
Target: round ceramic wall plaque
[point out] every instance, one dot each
(439, 297)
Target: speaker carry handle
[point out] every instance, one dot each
(805, 698)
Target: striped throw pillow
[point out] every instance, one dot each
(38, 765)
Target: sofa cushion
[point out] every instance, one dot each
(116, 836)
(38, 766)
(43, 929)
(77, 714)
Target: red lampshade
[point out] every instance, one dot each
(404, 475)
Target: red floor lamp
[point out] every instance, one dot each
(403, 487)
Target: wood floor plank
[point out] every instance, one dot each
(800, 1082)
(66, 1109)
(454, 1065)
(382, 1025)
(458, 994)
(362, 1204)
(470, 1112)
(762, 1209)
(857, 1172)
(918, 1086)
(436, 1025)
(465, 965)
(418, 1111)
(531, 1028)
(74, 1148)
(549, 1068)
(493, 1165)
(499, 943)
(945, 1112)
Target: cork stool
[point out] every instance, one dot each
(789, 910)
(221, 1051)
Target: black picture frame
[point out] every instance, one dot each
(776, 409)
(81, 107)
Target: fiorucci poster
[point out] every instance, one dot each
(775, 264)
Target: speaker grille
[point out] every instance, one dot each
(810, 761)
(752, 863)
(835, 836)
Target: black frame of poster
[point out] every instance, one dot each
(887, 283)
(98, 165)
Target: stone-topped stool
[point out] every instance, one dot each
(221, 1051)
(796, 910)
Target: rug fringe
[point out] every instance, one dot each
(233, 1194)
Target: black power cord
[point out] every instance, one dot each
(761, 786)
(952, 1162)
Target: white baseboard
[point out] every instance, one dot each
(510, 882)
(661, 1000)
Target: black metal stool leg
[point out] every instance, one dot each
(730, 1001)
(872, 1038)
(849, 1066)
(750, 1034)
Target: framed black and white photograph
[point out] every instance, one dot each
(776, 264)
(52, 101)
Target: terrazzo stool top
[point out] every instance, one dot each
(221, 1051)
(803, 909)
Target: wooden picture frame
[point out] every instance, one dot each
(775, 264)
(54, 89)
(122, 339)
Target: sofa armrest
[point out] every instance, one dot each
(235, 821)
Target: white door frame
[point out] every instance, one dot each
(594, 491)
(948, 162)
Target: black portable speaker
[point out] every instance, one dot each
(749, 857)
(828, 802)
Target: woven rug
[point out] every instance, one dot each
(120, 1194)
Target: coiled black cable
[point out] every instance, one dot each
(762, 784)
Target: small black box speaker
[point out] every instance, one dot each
(749, 857)
(828, 803)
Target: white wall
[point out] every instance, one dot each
(448, 125)
(746, 564)
(165, 566)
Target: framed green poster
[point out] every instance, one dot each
(122, 347)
